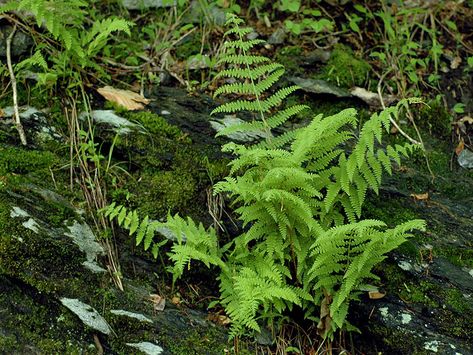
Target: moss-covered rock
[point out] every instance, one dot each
(344, 68)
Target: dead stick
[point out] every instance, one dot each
(18, 124)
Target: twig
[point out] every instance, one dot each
(18, 124)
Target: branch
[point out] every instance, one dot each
(18, 124)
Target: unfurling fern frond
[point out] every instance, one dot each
(255, 76)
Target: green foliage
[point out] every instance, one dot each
(410, 48)
(69, 43)
(303, 242)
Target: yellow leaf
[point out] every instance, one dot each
(126, 98)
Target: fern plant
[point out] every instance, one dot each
(303, 242)
(254, 75)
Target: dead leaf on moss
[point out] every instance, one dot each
(376, 295)
(420, 197)
(158, 302)
(126, 98)
(219, 319)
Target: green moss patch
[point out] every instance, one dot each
(344, 68)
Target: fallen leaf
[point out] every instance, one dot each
(455, 63)
(420, 197)
(219, 318)
(158, 302)
(376, 295)
(2, 113)
(460, 147)
(126, 98)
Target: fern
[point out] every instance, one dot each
(300, 201)
(255, 76)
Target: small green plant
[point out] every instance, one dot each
(309, 20)
(303, 242)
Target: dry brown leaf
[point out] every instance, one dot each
(455, 63)
(460, 147)
(2, 113)
(376, 295)
(420, 197)
(158, 302)
(219, 318)
(126, 98)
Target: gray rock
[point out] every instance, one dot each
(147, 347)
(212, 13)
(229, 121)
(138, 316)
(87, 314)
(147, 4)
(21, 42)
(84, 238)
(278, 36)
(109, 117)
(465, 159)
(316, 86)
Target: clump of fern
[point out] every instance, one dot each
(303, 241)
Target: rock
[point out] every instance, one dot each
(110, 118)
(278, 36)
(147, 347)
(231, 120)
(88, 315)
(316, 56)
(465, 159)
(21, 42)
(85, 239)
(37, 127)
(212, 13)
(138, 316)
(372, 98)
(147, 4)
(316, 86)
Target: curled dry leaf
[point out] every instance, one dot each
(420, 197)
(158, 302)
(126, 98)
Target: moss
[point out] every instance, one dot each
(32, 324)
(455, 299)
(22, 161)
(435, 118)
(344, 68)
(156, 125)
(462, 257)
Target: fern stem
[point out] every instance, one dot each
(267, 128)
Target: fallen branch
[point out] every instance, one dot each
(19, 126)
